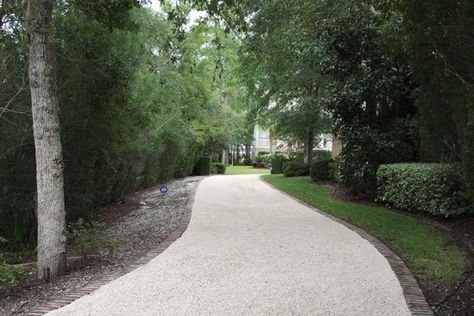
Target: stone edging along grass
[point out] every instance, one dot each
(92, 286)
(411, 290)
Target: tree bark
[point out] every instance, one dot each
(237, 154)
(225, 157)
(46, 129)
(308, 147)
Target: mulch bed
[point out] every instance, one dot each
(445, 299)
(140, 223)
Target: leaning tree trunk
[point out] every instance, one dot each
(308, 147)
(49, 161)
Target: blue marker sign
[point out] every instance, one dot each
(163, 189)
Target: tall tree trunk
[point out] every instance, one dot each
(49, 161)
(308, 147)
(225, 157)
(247, 151)
(237, 154)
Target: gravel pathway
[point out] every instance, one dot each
(250, 250)
(139, 224)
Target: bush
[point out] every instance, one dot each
(9, 274)
(295, 169)
(267, 158)
(321, 154)
(255, 164)
(247, 162)
(203, 166)
(323, 169)
(218, 168)
(277, 165)
(263, 153)
(88, 238)
(437, 189)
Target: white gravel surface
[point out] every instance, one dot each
(250, 250)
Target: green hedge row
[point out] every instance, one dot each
(437, 189)
(203, 166)
(295, 168)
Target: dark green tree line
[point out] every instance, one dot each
(138, 104)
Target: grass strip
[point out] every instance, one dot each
(230, 170)
(426, 249)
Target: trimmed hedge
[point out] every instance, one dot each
(437, 189)
(277, 165)
(218, 168)
(322, 154)
(322, 169)
(203, 166)
(295, 168)
(247, 162)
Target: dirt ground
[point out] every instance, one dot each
(139, 223)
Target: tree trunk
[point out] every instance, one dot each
(237, 154)
(247, 151)
(225, 157)
(308, 147)
(46, 131)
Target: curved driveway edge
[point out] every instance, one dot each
(94, 285)
(411, 290)
(250, 250)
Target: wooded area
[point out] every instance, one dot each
(142, 96)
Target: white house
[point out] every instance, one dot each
(263, 141)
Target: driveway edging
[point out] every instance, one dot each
(96, 284)
(411, 290)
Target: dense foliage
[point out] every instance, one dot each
(140, 102)
(437, 189)
(218, 168)
(438, 38)
(322, 169)
(394, 77)
(295, 168)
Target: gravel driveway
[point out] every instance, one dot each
(250, 250)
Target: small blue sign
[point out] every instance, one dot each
(163, 189)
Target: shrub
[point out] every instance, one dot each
(88, 238)
(247, 162)
(277, 165)
(321, 154)
(437, 189)
(263, 153)
(9, 274)
(203, 166)
(267, 158)
(255, 164)
(323, 169)
(218, 168)
(295, 168)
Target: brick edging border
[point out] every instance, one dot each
(70, 297)
(411, 290)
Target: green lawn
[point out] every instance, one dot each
(427, 250)
(245, 170)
